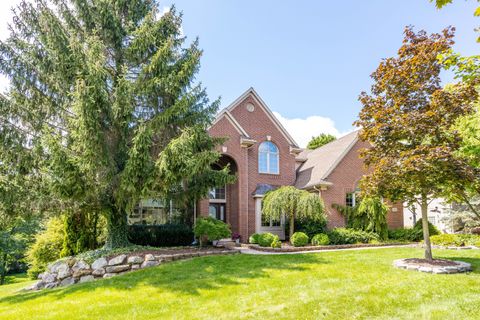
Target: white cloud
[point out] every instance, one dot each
(302, 130)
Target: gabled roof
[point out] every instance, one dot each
(225, 113)
(322, 161)
(266, 109)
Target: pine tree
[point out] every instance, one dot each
(100, 89)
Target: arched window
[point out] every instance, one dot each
(268, 158)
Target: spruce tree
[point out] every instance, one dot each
(99, 89)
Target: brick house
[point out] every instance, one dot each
(264, 156)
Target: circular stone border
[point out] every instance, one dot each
(460, 267)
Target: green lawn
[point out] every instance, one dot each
(330, 285)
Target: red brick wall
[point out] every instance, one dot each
(345, 178)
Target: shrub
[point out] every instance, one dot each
(320, 239)
(254, 238)
(276, 243)
(211, 229)
(431, 228)
(457, 240)
(166, 235)
(299, 239)
(310, 226)
(266, 239)
(406, 234)
(46, 248)
(351, 236)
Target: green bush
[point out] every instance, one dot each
(254, 238)
(433, 231)
(299, 239)
(209, 229)
(276, 243)
(166, 235)
(310, 226)
(406, 234)
(320, 239)
(266, 239)
(457, 240)
(46, 248)
(351, 236)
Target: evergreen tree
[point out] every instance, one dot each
(99, 89)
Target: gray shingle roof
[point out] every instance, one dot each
(321, 162)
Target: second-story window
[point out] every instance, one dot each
(268, 159)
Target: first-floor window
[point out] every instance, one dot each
(217, 211)
(350, 199)
(151, 212)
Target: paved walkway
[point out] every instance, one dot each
(247, 250)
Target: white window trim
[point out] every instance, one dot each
(268, 153)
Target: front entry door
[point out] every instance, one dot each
(217, 211)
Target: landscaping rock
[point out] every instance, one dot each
(147, 264)
(67, 281)
(81, 273)
(99, 263)
(109, 275)
(149, 257)
(80, 265)
(135, 266)
(116, 269)
(86, 279)
(49, 277)
(135, 260)
(37, 285)
(63, 271)
(53, 268)
(51, 285)
(98, 272)
(117, 260)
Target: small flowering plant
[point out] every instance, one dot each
(236, 236)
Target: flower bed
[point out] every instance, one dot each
(286, 248)
(79, 269)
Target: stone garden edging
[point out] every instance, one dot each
(70, 271)
(458, 267)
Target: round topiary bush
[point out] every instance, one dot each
(266, 239)
(276, 243)
(320, 239)
(299, 239)
(254, 238)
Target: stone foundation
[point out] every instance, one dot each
(70, 271)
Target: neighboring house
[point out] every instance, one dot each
(264, 156)
(437, 215)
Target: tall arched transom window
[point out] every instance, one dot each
(268, 158)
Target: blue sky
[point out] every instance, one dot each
(309, 60)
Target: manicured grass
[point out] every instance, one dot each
(329, 285)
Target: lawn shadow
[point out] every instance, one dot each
(187, 276)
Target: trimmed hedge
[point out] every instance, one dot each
(406, 234)
(254, 238)
(351, 236)
(457, 240)
(299, 239)
(320, 239)
(210, 229)
(167, 235)
(276, 243)
(266, 239)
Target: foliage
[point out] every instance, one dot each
(432, 230)
(299, 239)
(350, 236)
(406, 234)
(47, 246)
(293, 203)
(320, 140)
(98, 90)
(254, 238)
(320, 239)
(408, 122)
(311, 225)
(457, 240)
(266, 239)
(208, 228)
(370, 214)
(166, 235)
(276, 243)
(83, 232)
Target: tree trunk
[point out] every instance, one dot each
(292, 227)
(117, 232)
(426, 233)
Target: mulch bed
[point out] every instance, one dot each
(290, 248)
(433, 263)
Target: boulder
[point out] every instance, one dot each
(116, 269)
(53, 267)
(98, 272)
(80, 265)
(117, 260)
(49, 277)
(81, 273)
(67, 281)
(99, 263)
(51, 285)
(63, 271)
(135, 266)
(147, 264)
(109, 275)
(86, 279)
(37, 285)
(149, 257)
(135, 260)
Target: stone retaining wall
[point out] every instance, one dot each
(71, 271)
